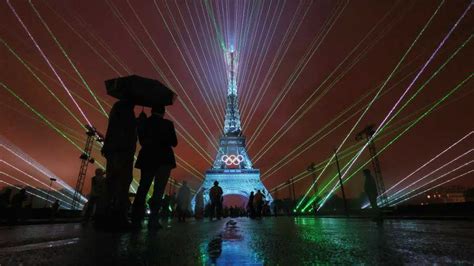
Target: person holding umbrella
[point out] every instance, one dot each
(155, 160)
(156, 136)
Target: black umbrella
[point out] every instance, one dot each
(140, 90)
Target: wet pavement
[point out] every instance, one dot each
(241, 241)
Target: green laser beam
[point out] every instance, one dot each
(380, 90)
(436, 104)
(67, 57)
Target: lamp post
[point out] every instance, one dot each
(312, 170)
(51, 180)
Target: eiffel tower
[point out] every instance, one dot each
(232, 167)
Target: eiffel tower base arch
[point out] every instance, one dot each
(233, 182)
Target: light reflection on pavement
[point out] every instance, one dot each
(270, 241)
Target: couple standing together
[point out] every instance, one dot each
(156, 159)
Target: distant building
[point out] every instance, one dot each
(469, 194)
(453, 194)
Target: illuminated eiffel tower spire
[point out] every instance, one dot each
(232, 114)
(232, 167)
(232, 143)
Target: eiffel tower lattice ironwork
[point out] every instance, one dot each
(232, 167)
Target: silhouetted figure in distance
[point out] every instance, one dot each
(155, 160)
(119, 148)
(215, 194)
(258, 201)
(183, 199)
(199, 204)
(250, 206)
(97, 191)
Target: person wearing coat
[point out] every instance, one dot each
(155, 160)
(199, 206)
(250, 206)
(183, 201)
(215, 195)
(119, 148)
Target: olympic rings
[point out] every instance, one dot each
(232, 159)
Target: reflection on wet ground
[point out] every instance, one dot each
(241, 241)
(231, 247)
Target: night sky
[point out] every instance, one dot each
(306, 71)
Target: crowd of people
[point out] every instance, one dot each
(256, 205)
(179, 204)
(15, 205)
(109, 199)
(109, 202)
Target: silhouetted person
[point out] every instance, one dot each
(183, 199)
(199, 204)
(370, 189)
(265, 209)
(250, 205)
(155, 160)
(215, 194)
(258, 201)
(119, 148)
(97, 191)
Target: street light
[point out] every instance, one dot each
(51, 180)
(312, 170)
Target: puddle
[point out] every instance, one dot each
(230, 247)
